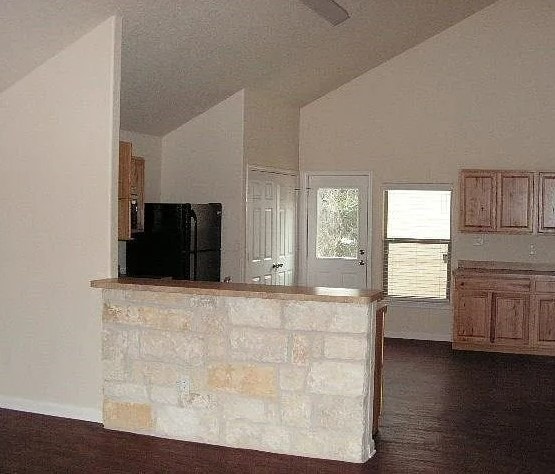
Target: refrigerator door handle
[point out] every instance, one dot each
(195, 244)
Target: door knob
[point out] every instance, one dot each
(361, 262)
(277, 265)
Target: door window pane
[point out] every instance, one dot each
(337, 223)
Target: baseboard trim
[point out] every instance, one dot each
(420, 336)
(51, 409)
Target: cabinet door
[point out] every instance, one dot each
(478, 201)
(124, 177)
(137, 189)
(544, 321)
(546, 214)
(472, 316)
(515, 202)
(510, 319)
(124, 219)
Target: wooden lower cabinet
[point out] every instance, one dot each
(498, 313)
(473, 321)
(543, 330)
(510, 319)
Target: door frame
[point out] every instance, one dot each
(280, 171)
(302, 275)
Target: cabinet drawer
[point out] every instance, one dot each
(493, 284)
(544, 286)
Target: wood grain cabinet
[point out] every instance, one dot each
(130, 192)
(500, 312)
(478, 201)
(492, 311)
(496, 201)
(137, 192)
(124, 190)
(546, 204)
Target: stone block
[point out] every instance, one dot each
(210, 320)
(258, 345)
(164, 395)
(273, 412)
(217, 347)
(114, 342)
(197, 400)
(339, 413)
(295, 409)
(113, 296)
(345, 347)
(114, 369)
(305, 347)
(112, 313)
(351, 318)
(127, 416)
(254, 312)
(256, 381)
(292, 378)
(234, 407)
(336, 378)
(187, 424)
(328, 444)
(158, 298)
(307, 315)
(130, 392)
(163, 319)
(172, 347)
(155, 373)
(245, 434)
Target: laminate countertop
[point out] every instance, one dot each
(504, 268)
(298, 293)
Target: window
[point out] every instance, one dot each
(417, 243)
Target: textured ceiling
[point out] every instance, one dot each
(180, 57)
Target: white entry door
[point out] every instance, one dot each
(337, 233)
(271, 228)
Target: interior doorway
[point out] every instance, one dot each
(338, 230)
(271, 232)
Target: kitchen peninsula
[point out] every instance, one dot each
(280, 369)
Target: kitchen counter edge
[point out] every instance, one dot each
(245, 290)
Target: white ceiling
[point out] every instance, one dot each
(180, 57)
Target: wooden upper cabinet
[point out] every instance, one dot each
(497, 201)
(515, 202)
(546, 212)
(124, 177)
(137, 190)
(478, 200)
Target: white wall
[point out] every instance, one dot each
(58, 142)
(271, 131)
(202, 161)
(479, 95)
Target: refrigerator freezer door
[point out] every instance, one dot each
(209, 225)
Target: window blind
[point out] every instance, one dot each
(417, 244)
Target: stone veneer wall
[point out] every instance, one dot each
(281, 376)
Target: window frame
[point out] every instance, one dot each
(415, 300)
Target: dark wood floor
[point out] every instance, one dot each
(444, 412)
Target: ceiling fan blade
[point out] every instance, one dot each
(328, 9)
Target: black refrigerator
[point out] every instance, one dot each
(181, 241)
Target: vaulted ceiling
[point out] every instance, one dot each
(180, 57)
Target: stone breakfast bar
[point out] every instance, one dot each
(278, 369)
